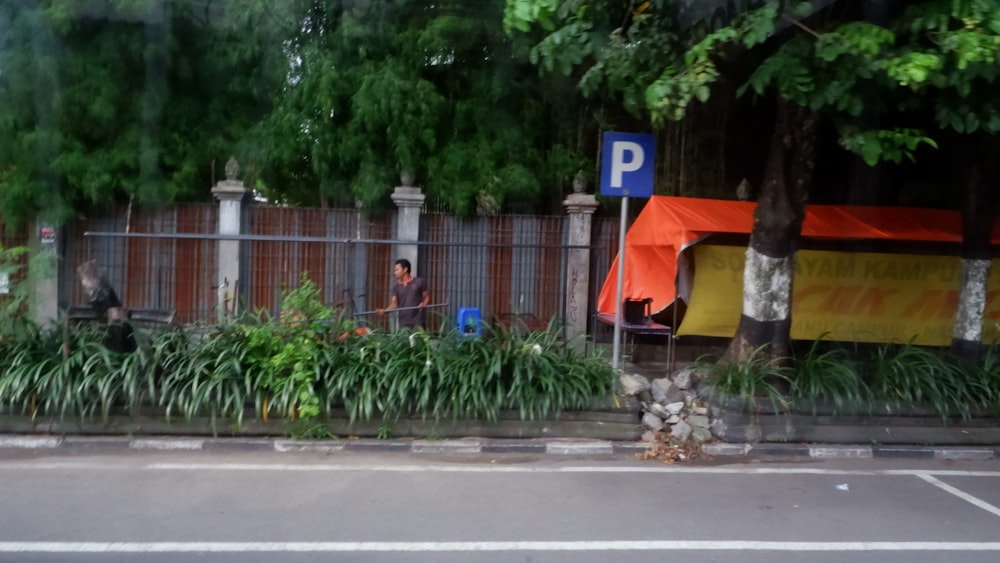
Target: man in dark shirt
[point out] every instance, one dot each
(408, 293)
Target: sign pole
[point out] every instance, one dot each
(626, 170)
(616, 350)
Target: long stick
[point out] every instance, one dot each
(445, 304)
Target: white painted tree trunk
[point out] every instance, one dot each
(972, 301)
(767, 287)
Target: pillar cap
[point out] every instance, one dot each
(408, 196)
(580, 203)
(229, 190)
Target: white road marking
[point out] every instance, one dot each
(28, 442)
(330, 467)
(288, 547)
(960, 494)
(154, 444)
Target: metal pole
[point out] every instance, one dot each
(397, 309)
(616, 350)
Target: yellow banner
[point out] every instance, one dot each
(848, 296)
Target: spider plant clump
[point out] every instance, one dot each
(827, 375)
(908, 375)
(451, 376)
(757, 377)
(306, 365)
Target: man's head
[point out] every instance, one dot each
(401, 268)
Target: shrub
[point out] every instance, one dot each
(755, 378)
(828, 375)
(300, 368)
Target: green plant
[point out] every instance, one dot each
(912, 375)
(434, 433)
(451, 376)
(988, 375)
(301, 368)
(29, 358)
(16, 287)
(827, 374)
(282, 355)
(205, 374)
(750, 379)
(308, 430)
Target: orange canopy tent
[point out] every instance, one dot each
(668, 225)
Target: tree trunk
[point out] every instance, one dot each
(978, 216)
(766, 319)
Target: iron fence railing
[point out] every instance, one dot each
(507, 266)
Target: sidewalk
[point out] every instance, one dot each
(551, 447)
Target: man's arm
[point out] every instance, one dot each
(393, 303)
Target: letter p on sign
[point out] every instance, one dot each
(627, 164)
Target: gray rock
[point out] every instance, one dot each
(633, 384)
(657, 409)
(698, 421)
(682, 378)
(673, 395)
(652, 422)
(648, 436)
(699, 409)
(681, 430)
(675, 408)
(660, 388)
(672, 419)
(718, 428)
(701, 435)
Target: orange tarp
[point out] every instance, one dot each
(668, 225)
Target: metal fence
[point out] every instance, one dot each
(148, 273)
(345, 266)
(509, 267)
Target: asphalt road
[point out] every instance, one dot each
(85, 506)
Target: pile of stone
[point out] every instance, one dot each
(672, 406)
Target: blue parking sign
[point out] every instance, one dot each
(627, 164)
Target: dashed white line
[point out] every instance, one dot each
(496, 546)
(143, 444)
(28, 442)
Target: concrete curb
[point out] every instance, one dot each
(553, 447)
(827, 451)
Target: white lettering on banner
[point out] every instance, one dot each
(618, 164)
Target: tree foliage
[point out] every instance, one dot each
(434, 89)
(936, 56)
(321, 102)
(104, 101)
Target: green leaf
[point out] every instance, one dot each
(803, 9)
(871, 152)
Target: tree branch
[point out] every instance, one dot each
(800, 25)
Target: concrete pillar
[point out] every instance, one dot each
(580, 207)
(43, 273)
(408, 199)
(230, 193)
